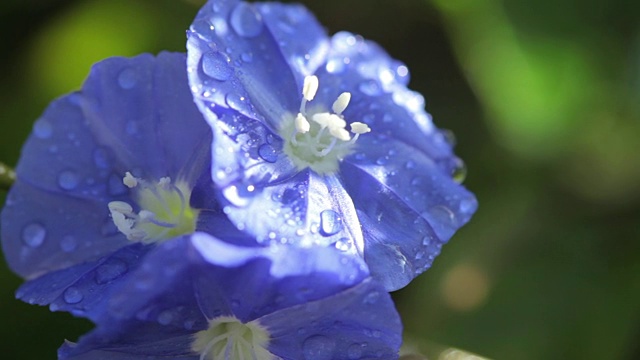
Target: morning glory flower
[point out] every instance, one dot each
(198, 297)
(318, 141)
(108, 172)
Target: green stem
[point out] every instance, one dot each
(7, 177)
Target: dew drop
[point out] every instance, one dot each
(330, 223)
(449, 136)
(268, 153)
(165, 317)
(33, 235)
(110, 271)
(318, 347)
(410, 164)
(442, 219)
(68, 180)
(246, 57)
(237, 195)
(371, 298)
(68, 244)
(354, 351)
(43, 129)
(127, 79)
(383, 160)
(101, 158)
(72, 295)
(216, 65)
(335, 66)
(467, 205)
(370, 87)
(246, 21)
(237, 102)
(459, 172)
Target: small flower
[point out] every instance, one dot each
(201, 298)
(76, 198)
(317, 140)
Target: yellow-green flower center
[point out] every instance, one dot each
(164, 211)
(319, 139)
(228, 338)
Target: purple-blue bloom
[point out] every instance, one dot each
(107, 171)
(318, 141)
(197, 297)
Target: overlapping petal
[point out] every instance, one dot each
(312, 301)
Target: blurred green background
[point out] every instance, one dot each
(544, 99)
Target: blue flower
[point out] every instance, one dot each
(318, 141)
(200, 298)
(76, 198)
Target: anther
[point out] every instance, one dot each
(302, 124)
(310, 87)
(129, 180)
(341, 103)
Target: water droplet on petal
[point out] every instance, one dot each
(442, 220)
(42, 129)
(165, 317)
(237, 195)
(459, 172)
(101, 158)
(33, 235)
(68, 244)
(268, 153)
(318, 347)
(246, 57)
(335, 66)
(354, 351)
(237, 102)
(68, 180)
(246, 21)
(371, 298)
(370, 87)
(127, 79)
(72, 295)
(330, 223)
(110, 271)
(216, 65)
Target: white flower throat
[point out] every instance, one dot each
(321, 143)
(229, 339)
(164, 210)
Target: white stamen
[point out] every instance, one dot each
(310, 87)
(340, 133)
(120, 207)
(129, 180)
(341, 103)
(323, 119)
(302, 124)
(336, 121)
(359, 128)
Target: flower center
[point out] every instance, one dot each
(321, 143)
(164, 211)
(228, 338)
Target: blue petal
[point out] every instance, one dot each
(236, 62)
(302, 39)
(224, 279)
(136, 341)
(359, 323)
(126, 118)
(415, 210)
(44, 231)
(379, 96)
(82, 289)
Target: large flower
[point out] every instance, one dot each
(107, 172)
(280, 96)
(200, 298)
